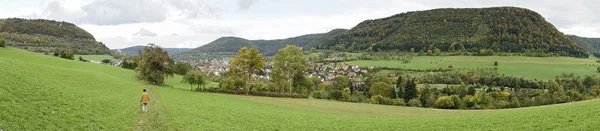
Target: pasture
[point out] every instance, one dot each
(40, 92)
(94, 57)
(529, 67)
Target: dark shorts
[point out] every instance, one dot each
(145, 103)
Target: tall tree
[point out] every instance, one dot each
(400, 87)
(246, 63)
(155, 65)
(410, 90)
(288, 62)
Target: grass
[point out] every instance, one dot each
(45, 93)
(94, 57)
(529, 67)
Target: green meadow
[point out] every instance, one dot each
(94, 57)
(529, 67)
(40, 92)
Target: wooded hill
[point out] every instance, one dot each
(230, 45)
(592, 45)
(499, 29)
(39, 35)
(134, 50)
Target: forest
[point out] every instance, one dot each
(39, 35)
(499, 29)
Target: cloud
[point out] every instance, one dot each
(144, 32)
(111, 12)
(245, 4)
(195, 9)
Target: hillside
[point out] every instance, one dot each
(501, 29)
(39, 35)
(134, 50)
(592, 45)
(230, 45)
(72, 95)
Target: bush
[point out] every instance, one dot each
(414, 102)
(106, 61)
(444, 102)
(356, 97)
(380, 88)
(56, 54)
(398, 102)
(2, 44)
(335, 95)
(378, 99)
(319, 94)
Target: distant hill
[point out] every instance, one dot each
(592, 45)
(39, 35)
(230, 45)
(502, 29)
(134, 50)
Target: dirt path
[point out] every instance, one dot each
(157, 117)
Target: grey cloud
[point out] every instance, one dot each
(144, 32)
(245, 4)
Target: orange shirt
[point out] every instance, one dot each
(145, 97)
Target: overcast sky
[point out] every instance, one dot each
(192, 23)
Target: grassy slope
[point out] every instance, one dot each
(85, 96)
(529, 67)
(40, 92)
(94, 57)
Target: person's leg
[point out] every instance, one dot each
(145, 107)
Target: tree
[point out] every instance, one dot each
(181, 68)
(412, 50)
(67, 55)
(400, 87)
(106, 61)
(313, 50)
(598, 69)
(341, 82)
(380, 88)
(155, 65)
(57, 54)
(2, 44)
(495, 63)
(289, 61)
(410, 90)
(194, 77)
(245, 63)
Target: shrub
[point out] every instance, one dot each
(106, 61)
(335, 95)
(2, 44)
(319, 94)
(398, 102)
(495, 63)
(378, 99)
(380, 88)
(414, 102)
(56, 54)
(444, 102)
(356, 97)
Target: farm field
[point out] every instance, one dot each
(61, 94)
(529, 67)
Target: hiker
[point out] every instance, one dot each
(145, 99)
